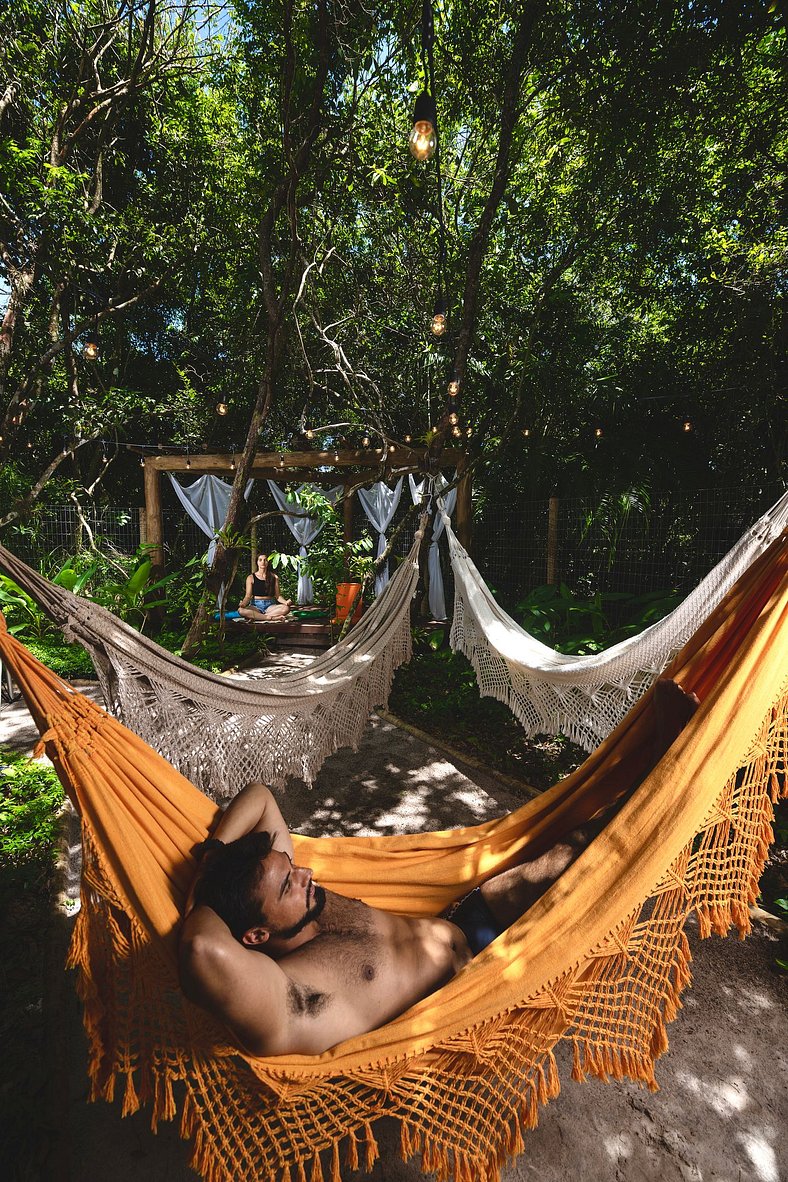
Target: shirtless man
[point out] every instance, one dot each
(292, 968)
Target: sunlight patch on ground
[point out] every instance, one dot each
(726, 1098)
(618, 1147)
(761, 1153)
(754, 1001)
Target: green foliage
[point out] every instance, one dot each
(69, 661)
(330, 560)
(570, 624)
(30, 797)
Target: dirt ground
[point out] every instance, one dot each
(722, 1110)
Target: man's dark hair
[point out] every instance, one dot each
(229, 877)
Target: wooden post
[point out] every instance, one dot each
(143, 527)
(253, 537)
(463, 524)
(154, 517)
(552, 540)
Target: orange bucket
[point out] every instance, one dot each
(346, 593)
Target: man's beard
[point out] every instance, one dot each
(311, 913)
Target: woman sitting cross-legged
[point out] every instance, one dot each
(263, 600)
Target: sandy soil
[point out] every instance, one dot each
(722, 1110)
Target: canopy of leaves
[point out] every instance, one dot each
(237, 175)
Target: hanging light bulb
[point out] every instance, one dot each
(232, 464)
(526, 432)
(221, 408)
(456, 432)
(142, 461)
(453, 388)
(453, 419)
(336, 457)
(309, 433)
(407, 438)
(469, 431)
(188, 461)
(90, 348)
(29, 442)
(438, 324)
(686, 426)
(281, 461)
(365, 441)
(598, 432)
(423, 140)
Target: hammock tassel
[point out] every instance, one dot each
(131, 1101)
(371, 1151)
(336, 1172)
(317, 1168)
(352, 1150)
(578, 1074)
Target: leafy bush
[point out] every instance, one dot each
(571, 624)
(30, 798)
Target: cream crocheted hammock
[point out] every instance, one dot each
(221, 732)
(600, 961)
(585, 697)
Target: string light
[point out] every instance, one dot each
(598, 432)
(456, 432)
(423, 140)
(453, 418)
(281, 461)
(438, 324)
(365, 441)
(407, 438)
(221, 408)
(526, 432)
(453, 387)
(469, 431)
(142, 461)
(686, 426)
(232, 464)
(90, 349)
(188, 461)
(310, 433)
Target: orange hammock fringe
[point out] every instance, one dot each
(601, 960)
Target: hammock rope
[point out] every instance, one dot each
(222, 733)
(584, 697)
(600, 960)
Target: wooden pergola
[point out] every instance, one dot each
(350, 466)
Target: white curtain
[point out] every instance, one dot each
(206, 500)
(446, 502)
(303, 529)
(380, 504)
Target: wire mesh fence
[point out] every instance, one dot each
(612, 546)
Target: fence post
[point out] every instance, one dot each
(552, 539)
(143, 526)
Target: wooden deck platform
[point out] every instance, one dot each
(297, 632)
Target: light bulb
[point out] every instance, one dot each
(469, 431)
(454, 387)
(456, 432)
(310, 433)
(453, 419)
(142, 461)
(687, 425)
(281, 461)
(423, 140)
(365, 441)
(188, 462)
(438, 324)
(29, 442)
(526, 431)
(232, 464)
(90, 349)
(407, 438)
(221, 408)
(598, 432)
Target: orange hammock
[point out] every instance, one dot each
(600, 960)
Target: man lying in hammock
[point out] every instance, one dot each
(292, 968)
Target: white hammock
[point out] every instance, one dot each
(584, 698)
(220, 732)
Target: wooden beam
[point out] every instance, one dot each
(402, 458)
(154, 519)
